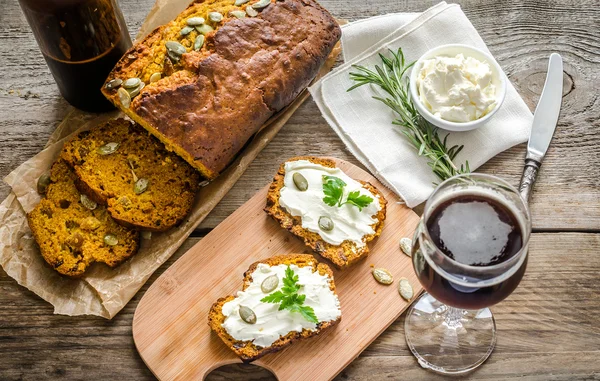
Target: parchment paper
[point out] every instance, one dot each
(103, 291)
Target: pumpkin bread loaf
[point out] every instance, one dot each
(208, 80)
(246, 350)
(118, 164)
(71, 236)
(342, 255)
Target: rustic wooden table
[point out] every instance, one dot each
(548, 329)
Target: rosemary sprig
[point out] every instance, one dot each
(390, 77)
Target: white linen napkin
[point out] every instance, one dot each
(365, 124)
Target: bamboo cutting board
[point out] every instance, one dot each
(170, 325)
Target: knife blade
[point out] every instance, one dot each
(545, 119)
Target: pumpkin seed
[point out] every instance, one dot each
(325, 223)
(204, 29)
(174, 58)
(132, 83)
(114, 83)
(42, 183)
(203, 183)
(240, 2)
(300, 181)
(383, 276)
(140, 186)
(108, 148)
(124, 97)
(269, 284)
(85, 201)
(195, 21)
(155, 77)
(247, 315)
(199, 42)
(405, 289)
(261, 4)
(251, 11)
(135, 92)
(406, 246)
(175, 47)
(215, 16)
(111, 239)
(146, 234)
(238, 14)
(186, 30)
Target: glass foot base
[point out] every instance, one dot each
(449, 340)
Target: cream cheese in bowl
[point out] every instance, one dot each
(457, 87)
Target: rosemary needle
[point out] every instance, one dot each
(390, 77)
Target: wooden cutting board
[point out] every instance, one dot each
(170, 325)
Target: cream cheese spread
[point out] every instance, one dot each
(271, 324)
(457, 89)
(349, 223)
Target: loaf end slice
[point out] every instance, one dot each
(246, 350)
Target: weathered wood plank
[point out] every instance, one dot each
(551, 320)
(520, 34)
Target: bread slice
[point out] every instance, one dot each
(71, 236)
(246, 350)
(110, 179)
(211, 98)
(342, 255)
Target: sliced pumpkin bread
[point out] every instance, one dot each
(344, 253)
(73, 232)
(249, 350)
(118, 164)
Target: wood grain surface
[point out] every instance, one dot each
(549, 329)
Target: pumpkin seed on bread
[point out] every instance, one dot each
(247, 350)
(342, 255)
(118, 164)
(72, 232)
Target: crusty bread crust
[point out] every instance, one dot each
(342, 255)
(209, 104)
(246, 350)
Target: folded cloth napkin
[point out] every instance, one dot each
(365, 124)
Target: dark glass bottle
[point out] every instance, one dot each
(81, 41)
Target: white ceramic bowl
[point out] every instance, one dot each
(498, 79)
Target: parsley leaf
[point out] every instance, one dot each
(358, 200)
(333, 188)
(288, 297)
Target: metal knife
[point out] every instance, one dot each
(545, 119)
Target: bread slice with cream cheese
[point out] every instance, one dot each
(224, 314)
(341, 249)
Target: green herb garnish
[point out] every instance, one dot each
(390, 77)
(333, 188)
(289, 299)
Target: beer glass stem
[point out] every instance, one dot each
(452, 318)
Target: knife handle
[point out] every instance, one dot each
(528, 178)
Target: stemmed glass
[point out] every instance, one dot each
(449, 329)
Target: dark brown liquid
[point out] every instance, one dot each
(474, 231)
(81, 41)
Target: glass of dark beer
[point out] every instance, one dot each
(469, 253)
